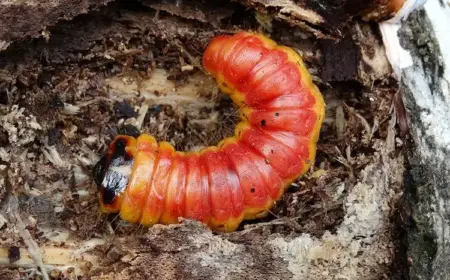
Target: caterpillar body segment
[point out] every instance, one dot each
(281, 113)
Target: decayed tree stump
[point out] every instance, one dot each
(361, 246)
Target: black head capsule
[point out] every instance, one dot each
(112, 172)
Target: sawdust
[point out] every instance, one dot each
(360, 243)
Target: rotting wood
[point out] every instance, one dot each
(166, 251)
(22, 19)
(326, 19)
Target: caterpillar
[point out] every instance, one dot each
(281, 112)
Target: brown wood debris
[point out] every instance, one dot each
(325, 19)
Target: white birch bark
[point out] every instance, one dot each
(418, 49)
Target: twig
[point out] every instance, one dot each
(192, 58)
(32, 246)
(291, 222)
(141, 115)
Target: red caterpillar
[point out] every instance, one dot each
(240, 178)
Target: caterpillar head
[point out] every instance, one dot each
(112, 172)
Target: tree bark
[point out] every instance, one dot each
(425, 83)
(22, 19)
